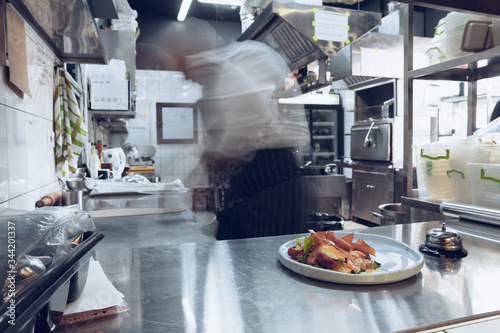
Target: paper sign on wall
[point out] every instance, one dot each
(331, 26)
(16, 45)
(180, 123)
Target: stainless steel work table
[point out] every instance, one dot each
(145, 230)
(240, 286)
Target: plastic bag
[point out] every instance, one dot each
(33, 240)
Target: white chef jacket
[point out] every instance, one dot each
(237, 109)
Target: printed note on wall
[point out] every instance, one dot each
(16, 46)
(331, 26)
(178, 123)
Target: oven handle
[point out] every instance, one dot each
(364, 128)
(367, 141)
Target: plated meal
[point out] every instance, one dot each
(353, 258)
(324, 250)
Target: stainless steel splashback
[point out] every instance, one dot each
(290, 30)
(68, 26)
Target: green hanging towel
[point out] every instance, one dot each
(71, 131)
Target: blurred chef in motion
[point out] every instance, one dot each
(250, 141)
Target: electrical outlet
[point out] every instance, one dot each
(51, 139)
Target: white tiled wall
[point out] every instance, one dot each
(27, 164)
(172, 161)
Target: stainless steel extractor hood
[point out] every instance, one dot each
(69, 27)
(303, 34)
(373, 58)
(295, 30)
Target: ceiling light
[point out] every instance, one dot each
(184, 10)
(223, 2)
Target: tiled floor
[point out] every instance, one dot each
(209, 221)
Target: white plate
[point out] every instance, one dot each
(399, 262)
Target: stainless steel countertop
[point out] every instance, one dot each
(240, 286)
(145, 230)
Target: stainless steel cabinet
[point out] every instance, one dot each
(370, 189)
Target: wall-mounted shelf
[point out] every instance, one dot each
(116, 126)
(457, 69)
(69, 27)
(109, 114)
(459, 99)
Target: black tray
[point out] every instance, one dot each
(31, 299)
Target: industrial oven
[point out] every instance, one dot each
(373, 176)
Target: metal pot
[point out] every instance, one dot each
(391, 213)
(81, 184)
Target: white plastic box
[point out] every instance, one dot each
(432, 165)
(459, 172)
(109, 94)
(454, 30)
(443, 172)
(485, 184)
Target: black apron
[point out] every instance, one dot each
(267, 197)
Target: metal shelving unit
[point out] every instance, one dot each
(466, 69)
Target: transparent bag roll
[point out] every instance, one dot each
(32, 241)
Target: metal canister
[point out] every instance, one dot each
(72, 197)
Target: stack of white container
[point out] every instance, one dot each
(466, 171)
(456, 36)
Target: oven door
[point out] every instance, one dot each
(371, 142)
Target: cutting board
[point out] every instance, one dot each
(133, 211)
